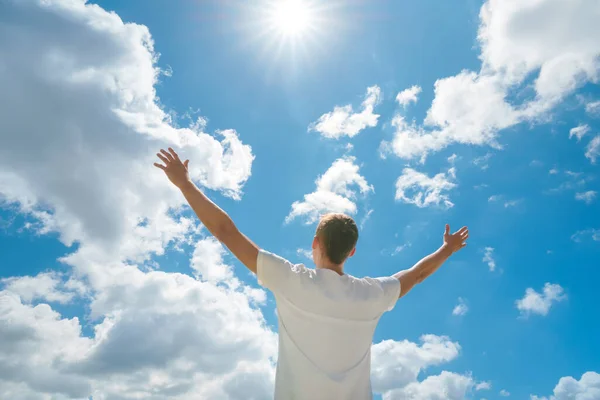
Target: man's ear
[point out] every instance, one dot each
(352, 252)
(315, 242)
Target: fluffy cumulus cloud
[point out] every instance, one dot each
(207, 261)
(414, 187)
(569, 388)
(159, 335)
(397, 365)
(408, 96)
(88, 78)
(518, 40)
(344, 121)
(45, 286)
(540, 302)
(337, 190)
(105, 116)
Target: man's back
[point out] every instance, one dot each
(326, 325)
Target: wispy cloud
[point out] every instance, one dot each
(593, 108)
(306, 253)
(488, 258)
(483, 161)
(400, 248)
(461, 308)
(506, 203)
(571, 181)
(593, 234)
(365, 218)
(587, 197)
(592, 151)
(579, 131)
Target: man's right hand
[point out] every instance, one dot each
(176, 171)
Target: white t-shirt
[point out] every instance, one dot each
(326, 326)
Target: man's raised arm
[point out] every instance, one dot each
(212, 216)
(428, 265)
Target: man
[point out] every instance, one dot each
(326, 318)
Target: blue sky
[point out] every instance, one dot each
(496, 128)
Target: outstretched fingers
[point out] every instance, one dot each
(157, 165)
(173, 154)
(163, 158)
(167, 155)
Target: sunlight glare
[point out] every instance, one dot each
(291, 17)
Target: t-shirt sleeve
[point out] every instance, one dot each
(274, 272)
(391, 291)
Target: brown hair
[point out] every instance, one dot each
(338, 235)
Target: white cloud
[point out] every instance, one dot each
(467, 109)
(483, 385)
(343, 121)
(588, 197)
(336, 192)
(445, 386)
(89, 80)
(593, 108)
(518, 40)
(594, 234)
(574, 181)
(592, 151)
(400, 248)
(461, 308)
(162, 335)
(540, 303)
(407, 96)
(306, 253)
(365, 218)
(207, 261)
(482, 162)
(45, 286)
(569, 388)
(579, 131)
(398, 363)
(506, 203)
(488, 258)
(100, 108)
(414, 187)
(504, 393)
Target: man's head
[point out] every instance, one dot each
(335, 239)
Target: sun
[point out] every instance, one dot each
(291, 17)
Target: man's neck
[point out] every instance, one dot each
(338, 268)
